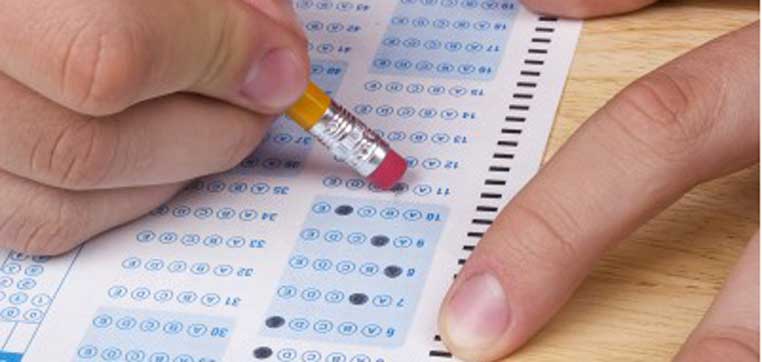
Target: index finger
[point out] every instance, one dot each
(693, 119)
(100, 58)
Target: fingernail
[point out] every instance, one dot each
(276, 81)
(477, 314)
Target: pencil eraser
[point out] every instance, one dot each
(389, 171)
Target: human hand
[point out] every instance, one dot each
(694, 119)
(108, 107)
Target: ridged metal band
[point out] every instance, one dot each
(350, 140)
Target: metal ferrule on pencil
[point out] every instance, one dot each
(350, 140)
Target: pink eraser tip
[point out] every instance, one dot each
(389, 171)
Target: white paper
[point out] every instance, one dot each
(292, 257)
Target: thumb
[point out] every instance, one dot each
(279, 10)
(128, 52)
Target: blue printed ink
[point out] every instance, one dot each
(28, 286)
(445, 39)
(356, 272)
(133, 335)
(10, 357)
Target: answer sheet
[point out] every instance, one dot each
(292, 257)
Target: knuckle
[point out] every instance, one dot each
(660, 113)
(222, 55)
(104, 65)
(79, 156)
(553, 231)
(537, 237)
(730, 345)
(57, 232)
(43, 226)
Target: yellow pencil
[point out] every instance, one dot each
(347, 137)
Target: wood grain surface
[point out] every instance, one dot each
(646, 295)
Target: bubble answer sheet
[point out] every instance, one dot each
(290, 257)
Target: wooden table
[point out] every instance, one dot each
(646, 296)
